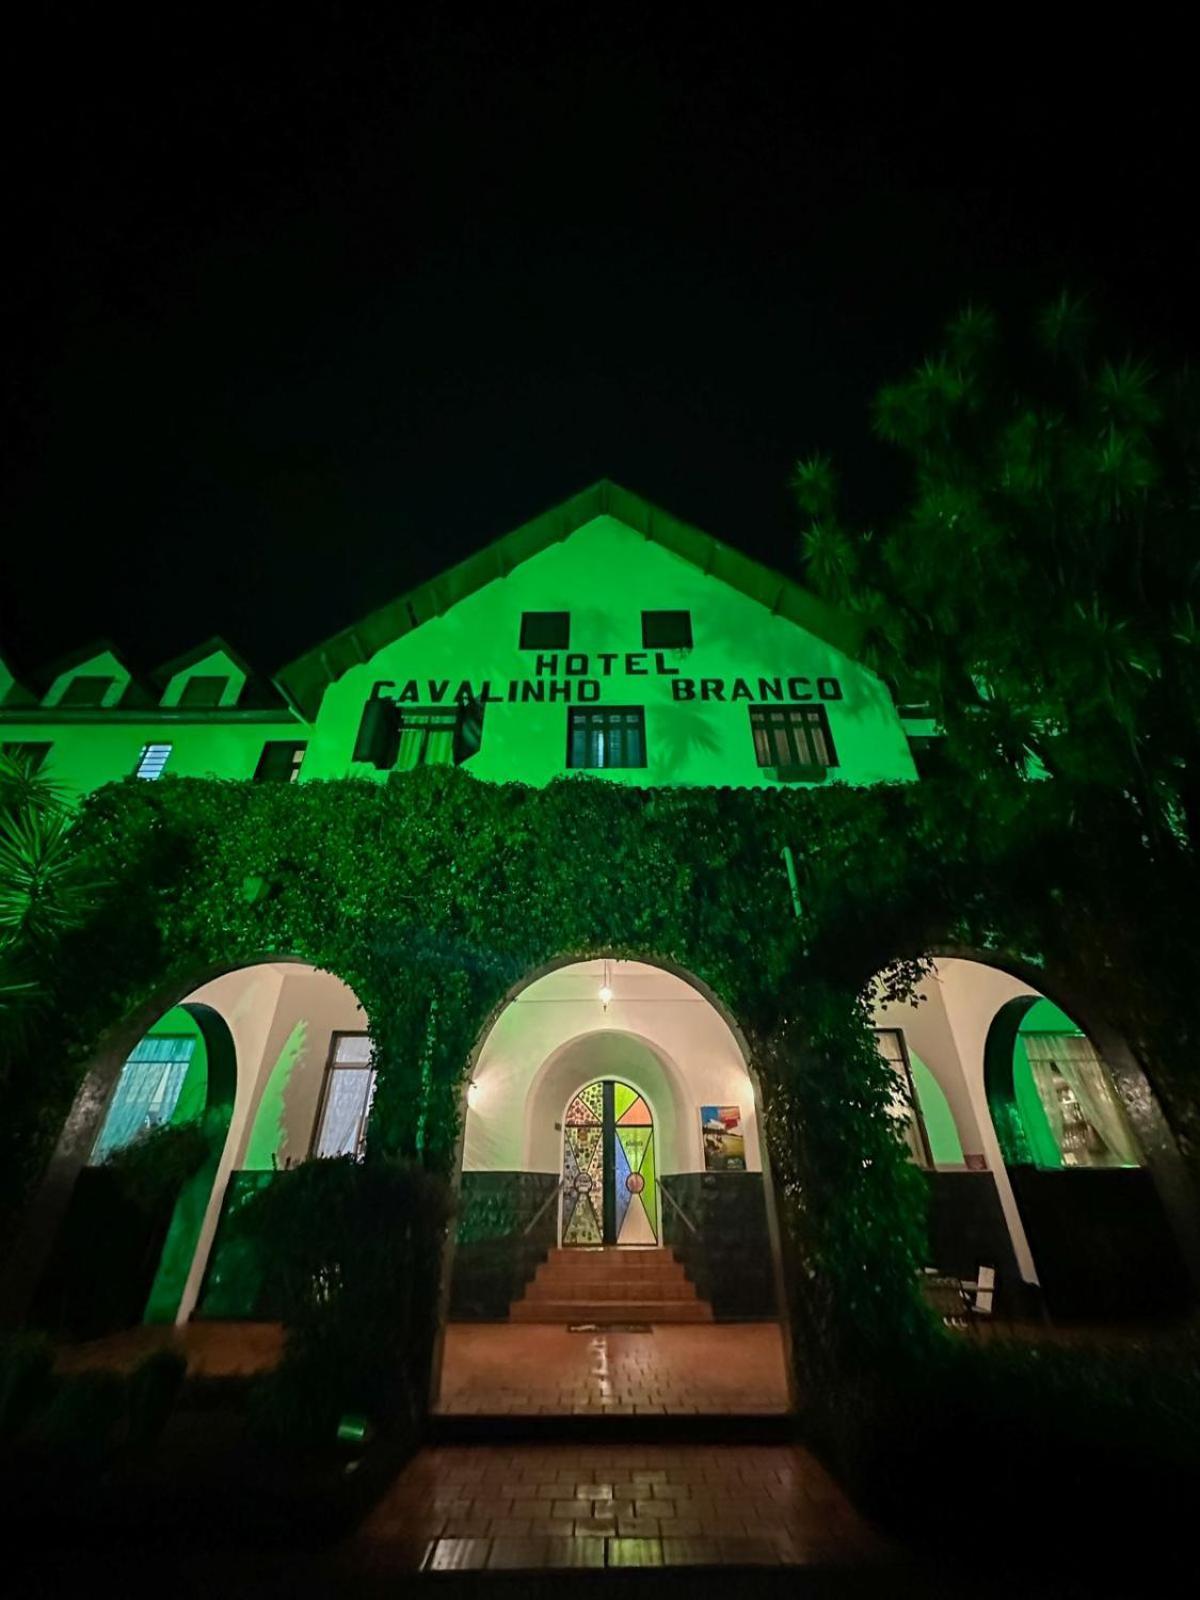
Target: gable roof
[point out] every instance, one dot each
(305, 679)
(215, 645)
(258, 693)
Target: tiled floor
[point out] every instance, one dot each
(531, 1506)
(502, 1369)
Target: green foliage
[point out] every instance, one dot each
(435, 895)
(351, 1256)
(47, 887)
(487, 1214)
(153, 1168)
(1058, 1429)
(1042, 577)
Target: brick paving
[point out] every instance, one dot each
(542, 1506)
(502, 1369)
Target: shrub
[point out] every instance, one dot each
(153, 1390)
(962, 1440)
(155, 1166)
(351, 1255)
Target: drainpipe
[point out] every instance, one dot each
(789, 862)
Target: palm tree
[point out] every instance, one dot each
(47, 886)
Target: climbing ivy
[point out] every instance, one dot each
(435, 896)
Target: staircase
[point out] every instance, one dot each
(607, 1284)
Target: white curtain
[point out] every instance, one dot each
(1085, 1113)
(425, 747)
(146, 1092)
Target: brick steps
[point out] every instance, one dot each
(559, 1311)
(611, 1285)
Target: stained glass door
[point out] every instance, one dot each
(610, 1192)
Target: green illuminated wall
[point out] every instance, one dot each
(605, 574)
(944, 1143)
(87, 755)
(1044, 1017)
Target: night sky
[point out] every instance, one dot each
(300, 313)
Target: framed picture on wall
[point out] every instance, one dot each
(723, 1139)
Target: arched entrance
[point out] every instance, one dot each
(609, 1183)
(1033, 1166)
(615, 1216)
(252, 1070)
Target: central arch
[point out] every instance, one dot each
(677, 1211)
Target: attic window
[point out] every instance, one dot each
(86, 691)
(545, 630)
(666, 630)
(203, 691)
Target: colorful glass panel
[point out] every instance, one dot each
(624, 1130)
(587, 1107)
(583, 1174)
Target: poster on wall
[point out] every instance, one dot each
(724, 1142)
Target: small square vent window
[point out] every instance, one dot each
(667, 630)
(545, 630)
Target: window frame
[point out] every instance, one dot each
(173, 1038)
(528, 622)
(792, 716)
(208, 679)
(298, 747)
(152, 777)
(918, 1115)
(67, 700)
(332, 1065)
(591, 710)
(650, 618)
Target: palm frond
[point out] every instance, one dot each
(830, 560)
(1065, 326)
(44, 885)
(814, 484)
(1125, 394)
(972, 334)
(22, 786)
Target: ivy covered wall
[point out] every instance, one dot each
(434, 896)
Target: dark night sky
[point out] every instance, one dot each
(302, 311)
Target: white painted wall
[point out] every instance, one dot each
(605, 574)
(949, 1030)
(311, 1008)
(658, 1035)
(281, 1016)
(927, 1031)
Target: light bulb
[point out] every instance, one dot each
(472, 1094)
(605, 994)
